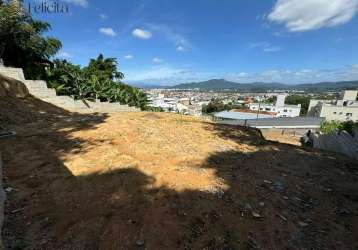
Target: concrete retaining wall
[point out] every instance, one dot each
(295, 132)
(99, 106)
(341, 142)
(15, 73)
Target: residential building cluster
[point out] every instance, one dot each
(279, 109)
(190, 102)
(345, 109)
(253, 105)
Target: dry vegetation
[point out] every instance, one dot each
(162, 181)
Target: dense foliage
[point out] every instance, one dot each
(22, 43)
(216, 105)
(299, 99)
(328, 127)
(99, 80)
(271, 99)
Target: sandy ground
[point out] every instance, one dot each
(164, 181)
(278, 136)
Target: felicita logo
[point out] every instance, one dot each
(44, 7)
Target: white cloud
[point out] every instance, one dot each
(265, 47)
(298, 76)
(272, 49)
(108, 32)
(304, 15)
(156, 74)
(128, 56)
(165, 75)
(64, 55)
(180, 48)
(103, 16)
(82, 3)
(180, 42)
(142, 34)
(157, 60)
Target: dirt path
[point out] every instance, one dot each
(161, 181)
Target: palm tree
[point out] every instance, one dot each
(104, 68)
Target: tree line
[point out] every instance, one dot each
(23, 44)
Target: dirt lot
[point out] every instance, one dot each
(165, 181)
(279, 136)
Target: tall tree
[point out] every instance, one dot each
(298, 99)
(104, 68)
(22, 40)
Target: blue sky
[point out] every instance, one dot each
(168, 41)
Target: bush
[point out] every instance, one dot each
(328, 127)
(350, 126)
(216, 105)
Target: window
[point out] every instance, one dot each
(267, 109)
(341, 113)
(285, 110)
(334, 113)
(349, 114)
(261, 109)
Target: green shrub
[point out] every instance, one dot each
(216, 105)
(299, 99)
(349, 126)
(328, 127)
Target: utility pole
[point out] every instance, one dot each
(258, 112)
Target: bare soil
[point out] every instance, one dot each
(278, 136)
(166, 181)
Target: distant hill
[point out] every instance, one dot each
(147, 86)
(222, 84)
(329, 85)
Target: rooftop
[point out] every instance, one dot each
(240, 115)
(282, 122)
(273, 105)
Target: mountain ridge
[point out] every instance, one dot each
(222, 84)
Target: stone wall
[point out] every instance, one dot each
(340, 142)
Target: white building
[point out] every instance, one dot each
(280, 109)
(340, 110)
(167, 104)
(182, 109)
